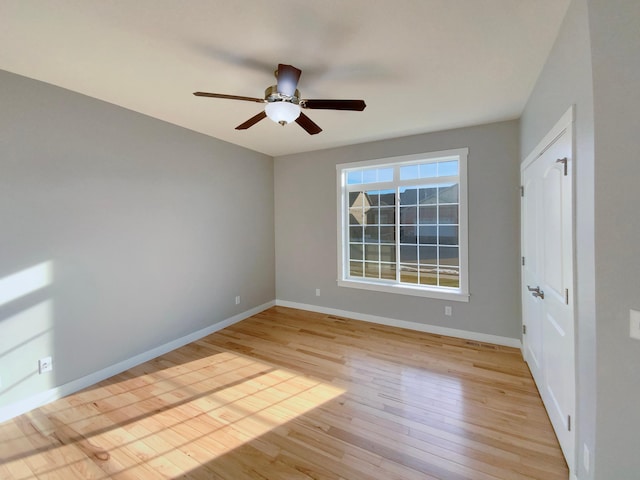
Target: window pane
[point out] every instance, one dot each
(356, 216)
(387, 215)
(450, 277)
(371, 253)
(428, 275)
(428, 214)
(354, 178)
(355, 251)
(355, 234)
(408, 215)
(385, 174)
(448, 193)
(369, 176)
(408, 196)
(371, 270)
(387, 197)
(428, 234)
(387, 234)
(355, 199)
(408, 254)
(355, 269)
(428, 170)
(448, 214)
(428, 255)
(388, 271)
(374, 197)
(409, 172)
(373, 216)
(449, 256)
(408, 234)
(449, 235)
(388, 253)
(408, 274)
(428, 195)
(446, 169)
(371, 235)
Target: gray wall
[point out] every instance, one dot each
(565, 81)
(151, 231)
(306, 231)
(615, 44)
(595, 66)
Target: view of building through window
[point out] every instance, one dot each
(402, 222)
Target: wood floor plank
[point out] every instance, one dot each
(289, 394)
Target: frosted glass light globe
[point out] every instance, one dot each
(282, 112)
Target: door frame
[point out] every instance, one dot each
(565, 123)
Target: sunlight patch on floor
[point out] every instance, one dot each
(170, 420)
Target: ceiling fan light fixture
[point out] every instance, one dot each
(282, 112)
(283, 102)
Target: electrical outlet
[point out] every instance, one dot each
(447, 310)
(634, 324)
(317, 292)
(238, 300)
(45, 365)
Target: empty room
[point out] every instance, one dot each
(319, 240)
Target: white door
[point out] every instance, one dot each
(547, 290)
(532, 264)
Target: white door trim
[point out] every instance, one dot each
(566, 123)
(561, 125)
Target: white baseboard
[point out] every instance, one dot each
(421, 327)
(39, 399)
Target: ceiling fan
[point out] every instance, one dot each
(284, 102)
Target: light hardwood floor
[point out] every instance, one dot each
(289, 394)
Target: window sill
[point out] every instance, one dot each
(441, 294)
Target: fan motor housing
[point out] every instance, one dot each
(271, 94)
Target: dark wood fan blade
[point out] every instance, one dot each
(252, 121)
(230, 97)
(309, 125)
(288, 77)
(357, 105)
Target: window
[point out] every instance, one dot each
(402, 225)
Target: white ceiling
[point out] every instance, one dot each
(420, 65)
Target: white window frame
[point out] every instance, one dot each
(460, 294)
